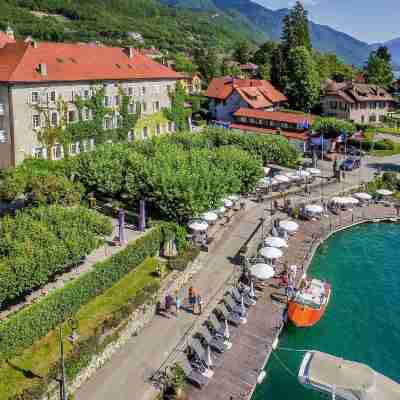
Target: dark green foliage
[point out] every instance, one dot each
(41, 242)
(330, 125)
(24, 328)
(379, 68)
(178, 113)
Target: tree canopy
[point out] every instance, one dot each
(379, 68)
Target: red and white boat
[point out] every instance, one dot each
(308, 305)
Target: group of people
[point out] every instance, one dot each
(173, 304)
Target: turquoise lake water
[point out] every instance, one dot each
(362, 321)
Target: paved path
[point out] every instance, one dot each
(126, 375)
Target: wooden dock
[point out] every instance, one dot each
(237, 378)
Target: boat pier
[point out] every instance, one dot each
(239, 374)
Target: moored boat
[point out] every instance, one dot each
(308, 304)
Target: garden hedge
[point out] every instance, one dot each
(24, 328)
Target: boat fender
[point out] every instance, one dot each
(261, 377)
(275, 343)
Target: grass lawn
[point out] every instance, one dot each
(386, 153)
(25, 370)
(387, 130)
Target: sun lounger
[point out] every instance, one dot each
(192, 376)
(231, 317)
(248, 301)
(200, 351)
(218, 344)
(246, 290)
(232, 306)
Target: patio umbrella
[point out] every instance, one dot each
(362, 196)
(314, 171)
(209, 360)
(339, 200)
(314, 208)
(262, 271)
(282, 178)
(233, 197)
(228, 203)
(384, 192)
(271, 253)
(227, 334)
(289, 226)
(198, 226)
(209, 216)
(277, 242)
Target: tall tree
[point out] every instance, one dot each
(243, 52)
(278, 68)
(295, 32)
(303, 85)
(379, 68)
(209, 62)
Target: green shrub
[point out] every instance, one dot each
(24, 328)
(41, 242)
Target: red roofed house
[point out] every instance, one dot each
(228, 94)
(40, 73)
(292, 126)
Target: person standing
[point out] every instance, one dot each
(177, 303)
(200, 304)
(192, 298)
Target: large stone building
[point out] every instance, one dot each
(357, 102)
(38, 74)
(228, 94)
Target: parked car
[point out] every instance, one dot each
(354, 151)
(350, 164)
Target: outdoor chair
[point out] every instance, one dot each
(244, 289)
(224, 314)
(233, 307)
(248, 301)
(217, 328)
(219, 345)
(232, 315)
(192, 376)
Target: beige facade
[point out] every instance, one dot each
(20, 120)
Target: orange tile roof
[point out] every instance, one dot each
(253, 97)
(288, 135)
(221, 88)
(76, 62)
(4, 39)
(290, 118)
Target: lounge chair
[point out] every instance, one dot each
(217, 328)
(218, 344)
(233, 307)
(248, 301)
(231, 317)
(246, 290)
(192, 376)
(200, 351)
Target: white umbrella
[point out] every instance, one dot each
(198, 226)
(282, 178)
(314, 208)
(362, 196)
(209, 360)
(262, 271)
(220, 210)
(227, 334)
(233, 197)
(228, 203)
(384, 192)
(339, 200)
(277, 242)
(289, 226)
(271, 253)
(302, 173)
(267, 170)
(209, 216)
(314, 171)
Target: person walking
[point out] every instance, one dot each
(200, 304)
(192, 298)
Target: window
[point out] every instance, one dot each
(130, 91)
(156, 106)
(372, 118)
(382, 104)
(35, 97)
(86, 94)
(144, 106)
(131, 136)
(381, 118)
(158, 129)
(2, 123)
(169, 88)
(3, 136)
(138, 107)
(143, 90)
(145, 132)
(57, 152)
(107, 101)
(36, 121)
(54, 119)
(38, 152)
(74, 148)
(117, 100)
(53, 96)
(71, 116)
(362, 119)
(136, 91)
(86, 114)
(363, 106)
(131, 108)
(107, 123)
(91, 144)
(84, 145)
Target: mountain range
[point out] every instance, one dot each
(268, 24)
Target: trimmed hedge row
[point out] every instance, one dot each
(30, 324)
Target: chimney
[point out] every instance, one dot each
(43, 69)
(129, 51)
(10, 33)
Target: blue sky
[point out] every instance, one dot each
(368, 20)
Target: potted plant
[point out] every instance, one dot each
(177, 380)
